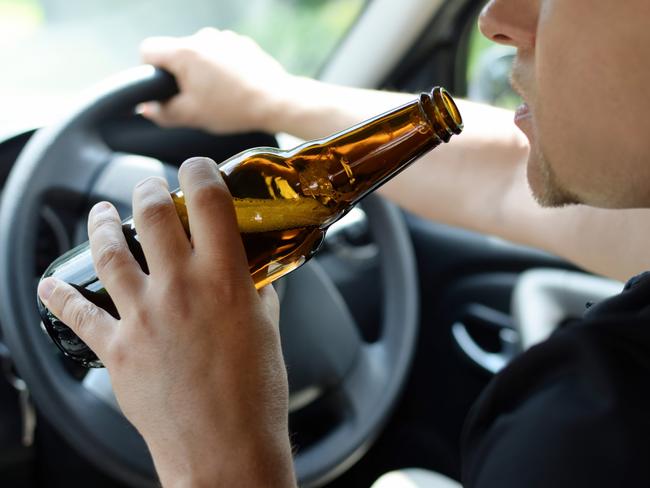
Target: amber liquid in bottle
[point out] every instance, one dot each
(285, 200)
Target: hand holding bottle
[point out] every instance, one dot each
(284, 200)
(227, 82)
(196, 350)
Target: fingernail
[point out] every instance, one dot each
(46, 287)
(196, 159)
(155, 180)
(100, 208)
(204, 161)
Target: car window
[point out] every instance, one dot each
(488, 71)
(52, 49)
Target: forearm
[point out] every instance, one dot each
(479, 182)
(309, 109)
(476, 182)
(463, 183)
(484, 188)
(266, 464)
(498, 201)
(472, 181)
(467, 183)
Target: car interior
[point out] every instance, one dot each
(390, 333)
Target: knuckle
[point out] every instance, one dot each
(75, 311)
(155, 210)
(111, 254)
(117, 353)
(84, 315)
(180, 113)
(139, 316)
(187, 52)
(211, 194)
(101, 221)
(173, 291)
(152, 200)
(144, 322)
(64, 298)
(231, 287)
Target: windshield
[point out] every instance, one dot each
(50, 50)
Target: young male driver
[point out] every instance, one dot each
(574, 411)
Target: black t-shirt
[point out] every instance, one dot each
(572, 411)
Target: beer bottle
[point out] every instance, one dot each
(285, 200)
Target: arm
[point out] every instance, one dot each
(477, 182)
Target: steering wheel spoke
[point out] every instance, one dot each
(119, 177)
(70, 166)
(364, 382)
(320, 337)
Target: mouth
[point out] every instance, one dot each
(523, 116)
(519, 76)
(523, 112)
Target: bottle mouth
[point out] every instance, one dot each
(447, 109)
(442, 113)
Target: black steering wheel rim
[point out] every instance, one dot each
(86, 421)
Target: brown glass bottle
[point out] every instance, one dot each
(286, 200)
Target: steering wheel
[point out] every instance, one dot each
(323, 348)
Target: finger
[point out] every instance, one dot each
(211, 215)
(160, 51)
(207, 34)
(174, 112)
(91, 323)
(116, 267)
(270, 302)
(160, 232)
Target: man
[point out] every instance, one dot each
(570, 412)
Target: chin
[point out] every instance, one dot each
(544, 184)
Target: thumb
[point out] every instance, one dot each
(92, 324)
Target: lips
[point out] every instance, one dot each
(523, 116)
(522, 112)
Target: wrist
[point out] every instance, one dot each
(279, 104)
(267, 464)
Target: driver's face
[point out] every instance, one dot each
(583, 67)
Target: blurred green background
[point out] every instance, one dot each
(50, 50)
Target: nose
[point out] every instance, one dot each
(510, 22)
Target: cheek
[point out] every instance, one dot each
(588, 120)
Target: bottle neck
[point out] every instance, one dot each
(367, 155)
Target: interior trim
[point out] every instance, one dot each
(381, 36)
